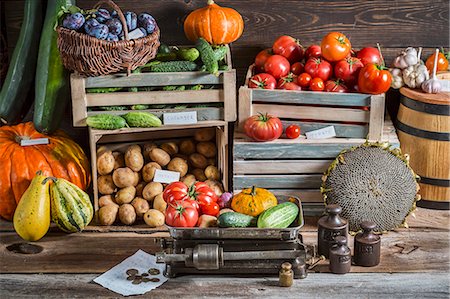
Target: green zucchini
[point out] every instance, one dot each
(174, 66)
(234, 219)
(106, 122)
(14, 96)
(188, 54)
(220, 52)
(140, 107)
(207, 56)
(52, 90)
(142, 119)
(279, 216)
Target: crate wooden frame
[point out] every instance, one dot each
(226, 94)
(328, 109)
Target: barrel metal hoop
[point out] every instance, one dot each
(425, 107)
(441, 136)
(432, 204)
(435, 182)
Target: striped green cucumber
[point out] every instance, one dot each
(142, 119)
(279, 216)
(188, 54)
(207, 56)
(174, 66)
(234, 219)
(52, 90)
(14, 97)
(220, 52)
(106, 122)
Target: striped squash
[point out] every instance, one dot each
(279, 216)
(71, 207)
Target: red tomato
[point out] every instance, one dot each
(374, 79)
(369, 55)
(442, 62)
(262, 81)
(318, 68)
(288, 47)
(297, 68)
(181, 214)
(263, 127)
(286, 79)
(335, 46)
(261, 58)
(292, 132)
(175, 191)
(317, 84)
(277, 66)
(313, 51)
(200, 193)
(335, 86)
(211, 209)
(348, 69)
(291, 86)
(304, 80)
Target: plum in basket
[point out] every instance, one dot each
(101, 31)
(74, 21)
(114, 26)
(112, 37)
(148, 22)
(89, 24)
(102, 15)
(131, 19)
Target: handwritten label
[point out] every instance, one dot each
(36, 141)
(323, 133)
(180, 118)
(166, 176)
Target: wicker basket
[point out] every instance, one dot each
(90, 56)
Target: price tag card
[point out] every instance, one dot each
(36, 141)
(166, 176)
(323, 133)
(180, 118)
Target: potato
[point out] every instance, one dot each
(170, 147)
(124, 177)
(147, 149)
(216, 186)
(148, 171)
(207, 221)
(154, 218)
(127, 214)
(204, 134)
(101, 149)
(107, 214)
(187, 147)
(159, 156)
(226, 210)
(105, 184)
(211, 161)
(212, 173)
(139, 187)
(141, 206)
(137, 178)
(189, 179)
(118, 160)
(105, 163)
(135, 147)
(106, 200)
(151, 190)
(199, 175)
(198, 161)
(125, 195)
(159, 203)
(178, 165)
(134, 158)
(207, 149)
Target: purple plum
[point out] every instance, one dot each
(100, 31)
(114, 26)
(89, 24)
(102, 15)
(131, 19)
(74, 21)
(112, 37)
(148, 22)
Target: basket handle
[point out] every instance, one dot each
(119, 13)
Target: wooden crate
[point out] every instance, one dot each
(353, 115)
(218, 103)
(119, 140)
(291, 167)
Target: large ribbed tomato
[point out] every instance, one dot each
(335, 46)
(181, 214)
(288, 47)
(263, 127)
(61, 158)
(374, 79)
(199, 194)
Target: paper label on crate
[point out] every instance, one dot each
(166, 176)
(323, 133)
(36, 141)
(180, 118)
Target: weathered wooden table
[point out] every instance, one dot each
(414, 264)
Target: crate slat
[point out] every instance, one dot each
(342, 130)
(277, 181)
(280, 166)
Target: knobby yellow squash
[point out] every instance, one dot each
(253, 201)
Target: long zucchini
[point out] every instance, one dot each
(52, 90)
(14, 97)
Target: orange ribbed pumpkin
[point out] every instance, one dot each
(62, 158)
(217, 25)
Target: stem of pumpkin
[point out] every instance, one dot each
(210, 2)
(19, 138)
(253, 192)
(48, 179)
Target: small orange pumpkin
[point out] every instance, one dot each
(217, 25)
(253, 201)
(62, 158)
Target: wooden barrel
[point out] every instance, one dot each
(423, 127)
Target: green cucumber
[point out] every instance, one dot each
(113, 108)
(234, 219)
(142, 119)
(188, 54)
(106, 122)
(103, 90)
(52, 90)
(279, 216)
(174, 66)
(174, 87)
(207, 56)
(166, 56)
(14, 96)
(140, 107)
(220, 52)
(163, 49)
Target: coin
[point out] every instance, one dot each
(146, 279)
(144, 274)
(132, 271)
(153, 271)
(154, 279)
(138, 277)
(136, 281)
(130, 278)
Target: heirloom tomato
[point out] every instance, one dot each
(210, 209)
(313, 51)
(286, 79)
(318, 68)
(181, 214)
(198, 194)
(263, 127)
(335, 46)
(292, 131)
(262, 81)
(277, 66)
(335, 86)
(348, 69)
(288, 47)
(261, 58)
(297, 68)
(442, 63)
(374, 79)
(369, 55)
(317, 84)
(304, 80)
(175, 191)
(291, 86)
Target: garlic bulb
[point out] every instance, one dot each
(397, 78)
(406, 58)
(432, 85)
(415, 75)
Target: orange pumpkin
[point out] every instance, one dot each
(217, 25)
(253, 201)
(61, 158)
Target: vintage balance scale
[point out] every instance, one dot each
(241, 251)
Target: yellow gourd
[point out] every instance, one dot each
(32, 216)
(253, 201)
